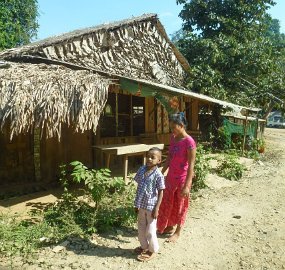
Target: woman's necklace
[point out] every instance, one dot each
(180, 137)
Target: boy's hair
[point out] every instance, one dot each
(179, 119)
(156, 149)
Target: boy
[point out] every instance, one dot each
(148, 198)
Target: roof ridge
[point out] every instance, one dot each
(88, 30)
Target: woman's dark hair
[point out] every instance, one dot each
(179, 119)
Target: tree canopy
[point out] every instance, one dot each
(235, 50)
(18, 22)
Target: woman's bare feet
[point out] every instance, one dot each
(173, 238)
(169, 230)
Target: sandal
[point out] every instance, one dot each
(147, 256)
(139, 250)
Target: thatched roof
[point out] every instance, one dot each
(48, 96)
(155, 87)
(137, 47)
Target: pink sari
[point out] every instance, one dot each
(173, 209)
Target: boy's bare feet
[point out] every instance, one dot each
(146, 256)
(139, 250)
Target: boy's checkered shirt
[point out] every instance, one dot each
(148, 186)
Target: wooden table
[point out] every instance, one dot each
(126, 150)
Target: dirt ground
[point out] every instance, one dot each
(231, 225)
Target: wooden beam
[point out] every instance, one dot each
(245, 122)
(146, 114)
(194, 114)
(37, 151)
(117, 116)
(132, 115)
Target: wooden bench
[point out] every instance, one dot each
(126, 150)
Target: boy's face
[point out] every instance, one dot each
(153, 158)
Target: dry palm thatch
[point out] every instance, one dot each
(136, 48)
(47, 96)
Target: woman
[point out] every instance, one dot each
(180, 162)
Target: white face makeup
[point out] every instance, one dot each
(153, 158)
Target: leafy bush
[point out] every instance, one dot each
(221, 140)
(229, 167)
(202, 168)
(117, 209)
(107, 202)
(70, 218)
(98, 182)
(20, 237)
(252, 154)
(259, 145)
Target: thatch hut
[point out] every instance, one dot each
(53, 92)
(44, 101)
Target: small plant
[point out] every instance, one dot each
(117, 209)
(70, 217)
(260, 145)
(252, 153)
(229, 167)
(98, 182)
(222, 140)
(108, 202)
(202, 168)
(21, 237)
(236, 141)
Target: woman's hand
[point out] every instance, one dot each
(185, 192)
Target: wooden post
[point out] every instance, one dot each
(146, 114)
(108, 160)
(117, 115)
(182, 104)
(126, 161)
(244, 132)
(158, 119)
(37, 156)
(96, 139)
(132, 115)
(194, 114)
(150, 115)
(256, 130)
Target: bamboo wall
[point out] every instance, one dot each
(16, 161)
(29, 159)
(73, 146)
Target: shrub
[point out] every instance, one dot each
(229, 167)
(108, 202)
(21, 237)
(222, 139)
(202, 168)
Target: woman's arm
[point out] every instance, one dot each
(191, 155)
(166, 165)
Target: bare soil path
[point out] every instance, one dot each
(231, 225)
